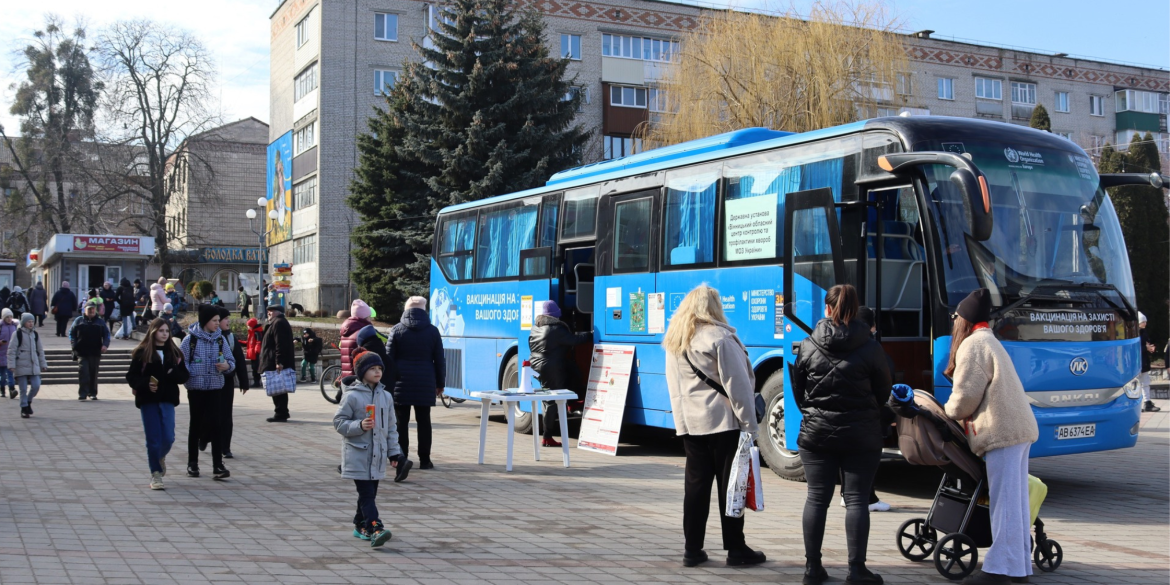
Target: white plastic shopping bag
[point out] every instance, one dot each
(737, 485)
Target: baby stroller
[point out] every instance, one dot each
(960, 511)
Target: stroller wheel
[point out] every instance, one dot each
(1048, 555)
(446, 400)
(955, 556)
(916, 539)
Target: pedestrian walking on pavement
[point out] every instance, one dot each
(158, 298)
(243, 303)
(125, 296)
(840, 377)
(26, 359)
(1147, 350)
(239, 375)
(703, 353)
(4, 294)
(252, 350)
(62, 306)
(8, 327)
(90, 338)
(277, 353)
(310, 353)
(415, 349)
(18, 302)
(988, 400)
(550, 348)
(365, 420)
(156, 370)
(209, 360)
(359, 318)
(142, 299)
(38, 302)
(168, 315)
(109, 299)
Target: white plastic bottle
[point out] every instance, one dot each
(526, 378)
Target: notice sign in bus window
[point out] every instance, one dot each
(750, 226)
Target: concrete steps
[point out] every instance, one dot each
(63, 370)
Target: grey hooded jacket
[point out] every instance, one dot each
(364, 453)
(26, 354)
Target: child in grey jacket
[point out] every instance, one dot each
(365, 419)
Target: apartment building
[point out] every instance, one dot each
(214, 178)
(332, 59)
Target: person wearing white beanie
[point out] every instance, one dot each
(26, 356)
(7, 330)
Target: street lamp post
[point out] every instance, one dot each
(261, 236)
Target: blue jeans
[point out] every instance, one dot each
(158, 420)
(6, 377)
(127, 326)
(25, 382)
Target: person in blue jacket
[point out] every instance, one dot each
(415, 349)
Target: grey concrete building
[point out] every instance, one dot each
(214, 178)
(331, 58)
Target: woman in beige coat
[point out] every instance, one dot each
(988, 400)
(703, 353)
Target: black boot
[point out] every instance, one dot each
(814, 573)
(25, 412)
(695, 558)
(863, 576)
(1150, 407)
(744, 556)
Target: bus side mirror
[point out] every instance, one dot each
(1155, 180)
(967, 178)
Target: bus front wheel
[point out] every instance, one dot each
(772, 441)
(511, 379)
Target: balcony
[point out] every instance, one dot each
(989, 108)
(1022, 111)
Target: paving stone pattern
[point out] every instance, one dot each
(75, 508)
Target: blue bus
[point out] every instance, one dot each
(917, 212)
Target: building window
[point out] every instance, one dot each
(571, 47)
(1065, 135)
(887, 112)
(303, 30)
(304, 139)
(991, 89)
(1061, 102)
(305, 83)
(946, 88)
(1096, 105)
(305, 193)
(628, 97)
(619, 146)
(657, 101)
(583, 92)
(305, 249)
(385, 26)
(384, 80)
(1023, 93)
(905, 87)
(638, 48)
(1132, 100)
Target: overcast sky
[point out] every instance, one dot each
(237, 33)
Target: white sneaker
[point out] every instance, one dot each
(156, 482)
(842, 501)
(879, 507)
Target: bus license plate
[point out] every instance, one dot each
(1076, 431)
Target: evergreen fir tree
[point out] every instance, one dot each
(487, 114)
(1040, 119)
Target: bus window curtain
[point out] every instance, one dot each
(458, 236)
(690, 219)
(818, 175)
(502, 236)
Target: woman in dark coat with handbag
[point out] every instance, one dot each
(839, 380)
(62, 305)
(416, 350)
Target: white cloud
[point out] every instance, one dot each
(236, 32)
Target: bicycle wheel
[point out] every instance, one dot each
(331, 384)
(446, 400)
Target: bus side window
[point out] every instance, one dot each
(502, 234)
(632, 235)
(689, 236)
(456, 244)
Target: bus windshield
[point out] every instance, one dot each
(1054, 228)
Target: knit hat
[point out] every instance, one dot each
(223, 312)
(364, 362)
(365, 334)
(17, 289)
(64, 284)
(865, 315)
(206, 314)
(359, 309)
(551, 309)
(6, 313)
(168, 308)
(170, 286)
(1141, 317)
(976, 308)
(253, 323)
(26, 318)
(415, 303)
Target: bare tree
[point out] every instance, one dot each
(789, 72)
(55, 103)
(159, 83)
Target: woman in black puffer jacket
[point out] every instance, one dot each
(840, 379)
(416, 349)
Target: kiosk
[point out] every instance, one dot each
(87, 261)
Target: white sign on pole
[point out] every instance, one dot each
(605, 397)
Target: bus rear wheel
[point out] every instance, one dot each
(772, 441)
(511, 379)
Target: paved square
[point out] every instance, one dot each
(75, 508)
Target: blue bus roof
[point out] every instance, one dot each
(716, 147)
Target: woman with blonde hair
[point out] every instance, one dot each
(712, 388)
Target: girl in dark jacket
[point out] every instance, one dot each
(156, 370)
(840, 378)
(416, 350)
(310, 353)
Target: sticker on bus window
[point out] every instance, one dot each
(750, 225)
(637, 312)
(526, 312)
(779, 330)
(613, 297)
(657, 313)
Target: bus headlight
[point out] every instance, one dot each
(1133, 389)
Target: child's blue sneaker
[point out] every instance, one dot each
(360, 533)
(379, 534)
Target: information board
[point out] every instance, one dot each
(605, 397)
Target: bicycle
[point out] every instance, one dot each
(331, 388)
(449, 400)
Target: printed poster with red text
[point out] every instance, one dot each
(605, 398)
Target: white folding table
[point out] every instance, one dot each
(509, 396)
